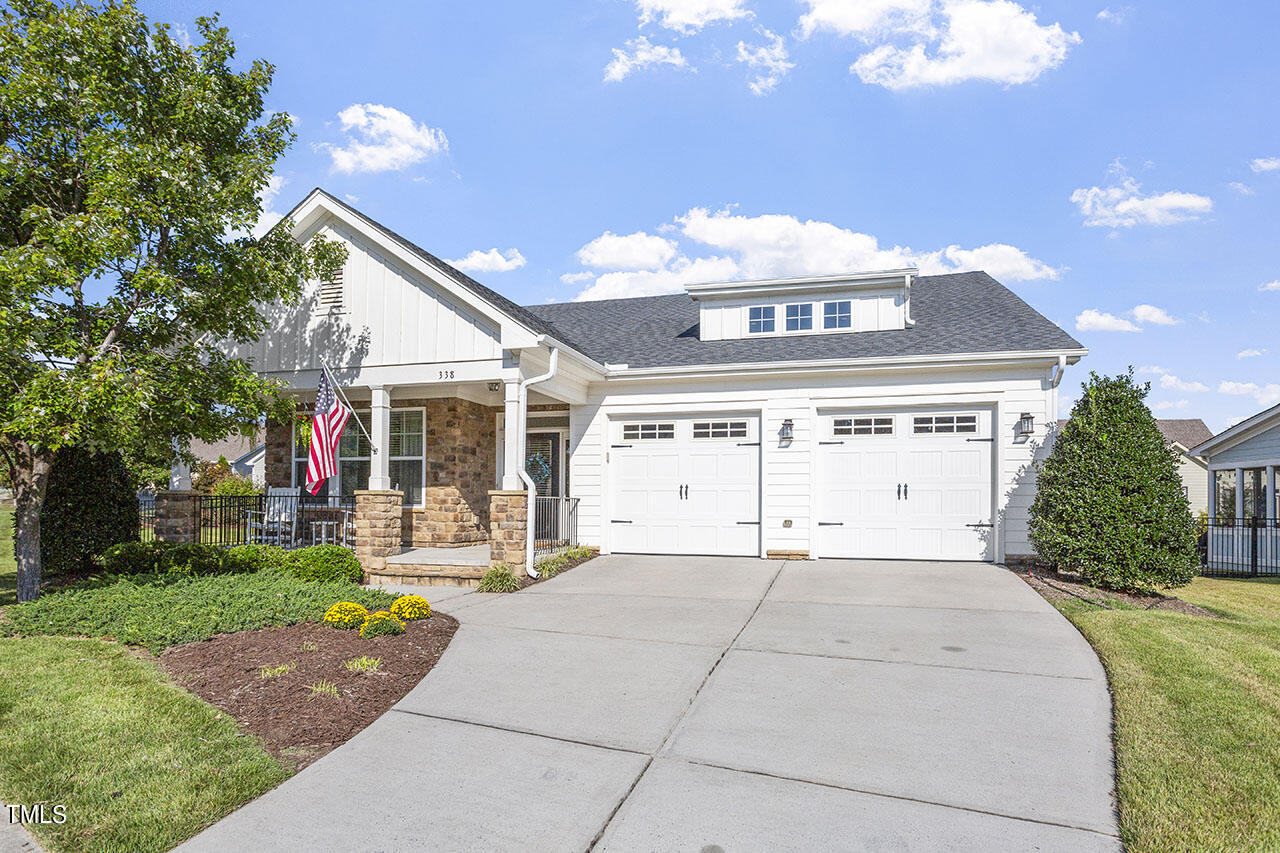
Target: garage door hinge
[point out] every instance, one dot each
(748, 522)
(979, 525)
(748, 444)
(979, 439)
(830, 442)
(831, 524)
(619, 445)
(621, 521)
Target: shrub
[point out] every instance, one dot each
(1109, 501)
(407, 608)
(206, 475)
(235, 486)
(346, 615)
(91, 504)
(499, 579)
(135, 558)
(552, 566)
(325, 563)
(255, 558)
(380, 624)
(199, 560)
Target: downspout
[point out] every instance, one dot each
(907, 298)
(1055, 377)
(524, 475)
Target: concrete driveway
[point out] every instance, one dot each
(716, 704)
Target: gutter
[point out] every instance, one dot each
(530, 522)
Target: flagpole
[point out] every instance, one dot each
(373, 447)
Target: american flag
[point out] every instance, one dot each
(326, 428)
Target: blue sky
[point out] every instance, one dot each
(1117, 165)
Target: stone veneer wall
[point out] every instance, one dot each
(377, 528)
(508, 526)
(278, 463)
(462, 466)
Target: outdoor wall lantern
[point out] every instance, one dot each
(787, 433)
(1026, 424)
(495, 386)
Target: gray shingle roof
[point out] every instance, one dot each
(966, 312)
(1186, 431)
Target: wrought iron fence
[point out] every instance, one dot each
(146, 517)
(289, 521)
(555, 526)
(1240, 547)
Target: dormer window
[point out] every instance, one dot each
(760, 319)
(800, 317)
(837, 315)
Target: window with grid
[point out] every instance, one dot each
(720, 429)
(760, 319)
(837, 315)
(799, 317)
(405, 453)
(648, 432)
(945, 423)
(863, 426)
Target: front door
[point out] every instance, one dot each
(544, 462)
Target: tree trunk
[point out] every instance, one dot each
(30, 482)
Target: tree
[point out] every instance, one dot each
(131, 175)
(1109, 500)
(91, 504)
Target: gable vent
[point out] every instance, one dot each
(329, 299)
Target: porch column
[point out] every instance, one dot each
(1239, 495)
(380, 429)
(1270, 487)
(512, 437)
(1213, 496)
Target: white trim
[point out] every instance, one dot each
(1248, 463)
(1232, 436)
(877, 278)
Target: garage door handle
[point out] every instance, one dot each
(831, 524)
(904, 491)
(899, 491)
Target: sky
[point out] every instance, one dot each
(1116, 165)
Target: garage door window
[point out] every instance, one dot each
(945, 423)
(648, 432)
(862, 426)
(720, 429)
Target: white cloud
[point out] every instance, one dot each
(770, 60)
(1124, 205)
(1153, 315)
(382, 139)
(1269, 285)
(725, 246)
(1251, 352)
(1151, 370)
(993, 40)
(490, 261)
(689, 16)
(1265, 164)
(1266, 395)
(1242, 189)
(269, 217)
(1173, 383)
(642, 54)
(867, 18)
(1093, 320)
(1166, 405)
(1118, 17)
(638, 251)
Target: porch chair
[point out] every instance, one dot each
(277, 523)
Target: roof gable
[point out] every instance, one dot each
(1243, 431)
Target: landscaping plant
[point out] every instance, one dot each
(407, 608)
(324, 563)
(346, 615)
(364, 663)
(1109, 502)
(380, 624)
(90, 505)
(132, 184)
(499, 579)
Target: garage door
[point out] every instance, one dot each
(687, 485)
(905, 485)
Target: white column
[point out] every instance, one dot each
(512, 436)
(1239, 494)
(1270, 486)
(1213, 496)
(380, 430)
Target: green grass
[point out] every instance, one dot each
(8, 565)
(1197, 714)
(139, 763)
(158, 611)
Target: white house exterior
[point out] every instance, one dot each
(1244, 534)
(879, 414)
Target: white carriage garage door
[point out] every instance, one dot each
(686, 485)
(912, 485)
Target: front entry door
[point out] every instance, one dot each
(544, 462)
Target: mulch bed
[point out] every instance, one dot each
(1057, 587)
(295, 725)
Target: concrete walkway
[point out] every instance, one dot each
(654, 703)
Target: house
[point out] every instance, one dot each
(874, 414)
(1241, 461)
(246, 456)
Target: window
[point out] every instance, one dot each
(863, 426)
(837, 315)
(760, 319)
(405, 454)
(648, 432)
(720, 429)
(799, 317)
(946, 423)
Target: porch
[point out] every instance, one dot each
(1242, 535)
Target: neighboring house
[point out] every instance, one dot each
(1244, 506)
(876, 414)
(247, 457)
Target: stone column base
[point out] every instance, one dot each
(508, 528)
(377, 528)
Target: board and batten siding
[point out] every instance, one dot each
(389, 315)
(871, 310)
(787, 473)
(1262, 448)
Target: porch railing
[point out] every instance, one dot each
(555, 526)
(286, 521)
(1241, 547)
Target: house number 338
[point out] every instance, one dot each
(446, 374)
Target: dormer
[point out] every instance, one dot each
(811, 305)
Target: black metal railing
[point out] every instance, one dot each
(555, 526)
(289, 521)
(1247, 547)
(146, 517)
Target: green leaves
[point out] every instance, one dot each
(1109, 500)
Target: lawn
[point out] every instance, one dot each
(1197, 714)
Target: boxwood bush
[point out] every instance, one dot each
(1109, 502)
(91, 503)
(325, 563)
